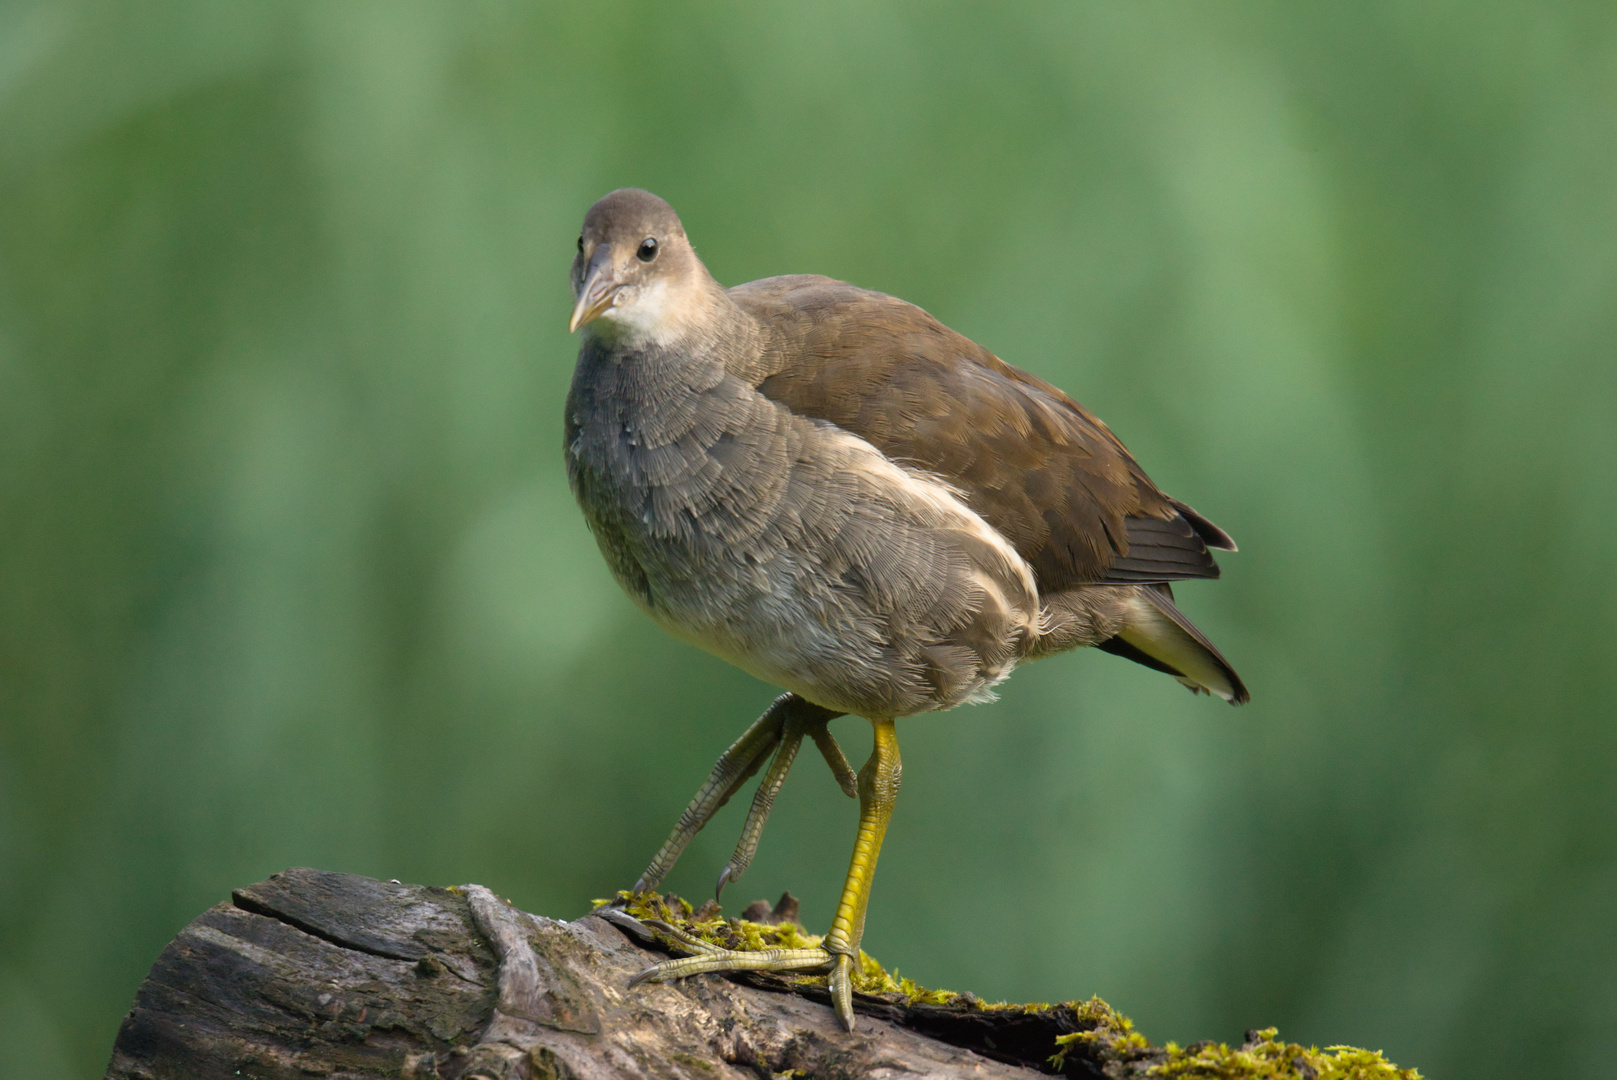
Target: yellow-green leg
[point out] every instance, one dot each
(734, 767)
(811, 721)
(878, 792)
(763, 800)
(787, 714)
(837, 954)
(821, 734)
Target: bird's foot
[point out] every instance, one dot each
(707, 958)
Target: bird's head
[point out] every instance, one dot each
(635, 271)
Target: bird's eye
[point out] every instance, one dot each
(581, 243)
(648, 249)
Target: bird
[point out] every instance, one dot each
(829, 488)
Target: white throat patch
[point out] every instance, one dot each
(647, 314)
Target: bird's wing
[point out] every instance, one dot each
(1028, 458)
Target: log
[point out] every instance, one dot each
(319, 974)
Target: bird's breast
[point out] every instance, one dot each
(791, 547)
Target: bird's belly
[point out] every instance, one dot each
(830, 572)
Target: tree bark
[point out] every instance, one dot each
(316, 974)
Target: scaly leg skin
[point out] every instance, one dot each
(807, 719)
(734, 767)
(846, 779)
(763, 800)
(839, 950)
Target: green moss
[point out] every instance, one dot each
(1267, 1058)
(1111, 1035)
(1113, 1041)
(869, 978)
(1106, 1037)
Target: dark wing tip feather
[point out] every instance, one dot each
(1212, 535)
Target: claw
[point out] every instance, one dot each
(624, 921)
(841, 983)
(724, 879)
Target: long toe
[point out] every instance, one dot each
(708, 958)
(815, 961)
(841, 981)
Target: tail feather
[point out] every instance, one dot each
(1159, 636)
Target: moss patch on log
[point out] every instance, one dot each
(1083, 1037)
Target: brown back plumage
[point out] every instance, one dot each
(1025, 456)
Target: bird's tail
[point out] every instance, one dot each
(1158, 635)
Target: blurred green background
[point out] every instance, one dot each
(289, 572)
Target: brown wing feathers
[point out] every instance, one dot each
(1161, 550)
(1029, 459)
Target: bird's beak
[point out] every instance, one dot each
(599, 289)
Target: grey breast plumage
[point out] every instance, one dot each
(785, 544)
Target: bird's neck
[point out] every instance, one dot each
(645, 386)
(688, 314)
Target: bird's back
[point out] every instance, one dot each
(1038, 467)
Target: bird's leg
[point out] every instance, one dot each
(805, 718)
(734, 767)
(763, 800)
(839, 950)
(878, 792)
(846, 779)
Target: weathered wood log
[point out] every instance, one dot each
(320, 974)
